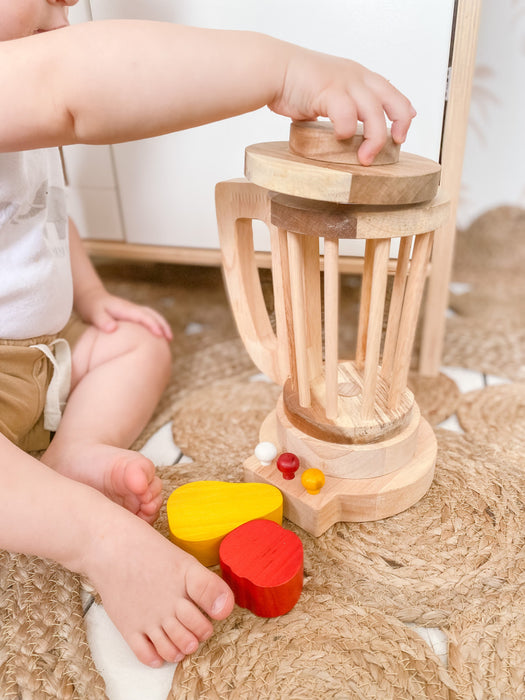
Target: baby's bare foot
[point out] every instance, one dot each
(158, 596)
(126, 477)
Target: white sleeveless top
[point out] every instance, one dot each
(36, 289)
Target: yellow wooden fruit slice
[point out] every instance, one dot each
(202, 513)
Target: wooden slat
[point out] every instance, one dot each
(364, 304)
(296, 263)
(375, 325)
(396, 305)
(313, 310)
(282, 303)
(409, 316)
(331, 323)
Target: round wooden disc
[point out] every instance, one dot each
(333, 220)
(273, 166)
(349, 427)
(362, 461)
(317, 140)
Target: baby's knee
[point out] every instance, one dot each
(152, 349)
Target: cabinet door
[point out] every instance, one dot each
(166, 185)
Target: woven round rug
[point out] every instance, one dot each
(44, 652)
(463, 541)
(219, 425)
(437, 397)
(323, 648)
(494, 344)
(487, 648)
(497, 297)
(491, 246)
(487, 333)
(495, 414)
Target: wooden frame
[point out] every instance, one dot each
(466, 25)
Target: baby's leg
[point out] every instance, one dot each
(157, 595)
(117, 380)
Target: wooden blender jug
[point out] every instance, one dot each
(354, 420)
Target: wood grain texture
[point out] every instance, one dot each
(297, 297)
(468, 14)
(317, 141)
(332, 220)
(356, 461)
(409, 317)
(351, 500)
(381, 249)
(331, 324)
(349, 426)
(239, 202)
(263, 565)
(273, 166)
(201, 513)
(396, 306)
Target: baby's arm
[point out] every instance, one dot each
(105, 82)
(95, 305)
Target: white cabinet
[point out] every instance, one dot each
(161, 191)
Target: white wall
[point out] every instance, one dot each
(494, 166)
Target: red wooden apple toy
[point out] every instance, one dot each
(263, 565)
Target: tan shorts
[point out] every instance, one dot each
(25, 374)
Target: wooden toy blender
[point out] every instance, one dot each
(355, 420)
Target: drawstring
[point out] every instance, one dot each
(60, 384)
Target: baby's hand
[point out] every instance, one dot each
(318, 85)
(105, 310)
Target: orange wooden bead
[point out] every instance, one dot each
(313, 480)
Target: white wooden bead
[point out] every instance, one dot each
(266, 452)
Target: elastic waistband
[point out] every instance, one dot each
(26, 342)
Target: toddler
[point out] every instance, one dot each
(89, 502)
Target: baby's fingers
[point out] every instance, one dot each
(123, 310)
(154, 322)
(398, 109)
(342, 113)
(374, 129)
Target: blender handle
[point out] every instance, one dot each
(238, 202)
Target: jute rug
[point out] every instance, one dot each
(454, 561)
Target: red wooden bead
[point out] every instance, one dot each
(288, 464)
(263, 565)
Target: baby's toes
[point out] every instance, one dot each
(150, 511)
(165, 647)
(181, 636)
(192, 619)
(209, 592)
(145, 651)
(139, 478)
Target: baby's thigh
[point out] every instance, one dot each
(96, 348)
